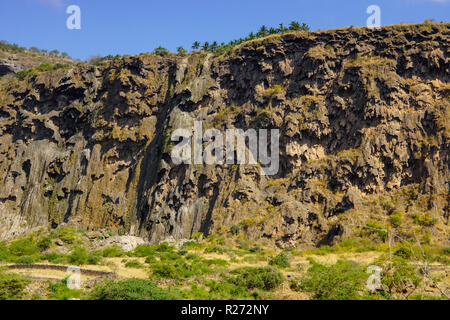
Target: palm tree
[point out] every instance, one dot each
(214, 46)
(272, 31)
(181, 50)
(304, 27)
(294, 26)
(196, 45)
(262, 31)
(282, 28)
(251, 36)
(205, 46)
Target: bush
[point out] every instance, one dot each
(44, 243)
(280, 260)
(403, 252)
(179, 268)
(340, 281)
(399, 275)
(161, 51)
(67, 235)
(113, 252)
(4, 252)
(267, 278)
(23, 247)
(134, 264)
(80, 256)
(60, 291)
(235, 230)
(25, 259)
(225, 290)
(424, 220)
(12, 286)
(144, 250)
(396, 218)
(56, 258)
(132, 289)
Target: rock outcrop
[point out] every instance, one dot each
(364, 130)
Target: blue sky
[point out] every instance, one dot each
(135, 26)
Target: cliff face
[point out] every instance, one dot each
(364, 132)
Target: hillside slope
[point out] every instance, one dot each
(364, 122)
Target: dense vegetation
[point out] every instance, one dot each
(216, 268)
(15, 48)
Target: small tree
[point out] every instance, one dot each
(341, 281)
(34, 49)
(214, 46)
(181, 50)
(196, 45)
(54, 52)
(294, 26)
(262, 31)
(161, 51)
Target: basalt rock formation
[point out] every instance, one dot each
(364, 133)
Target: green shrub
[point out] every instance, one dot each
(21, 75)
(60, 291)
(396, 218)
(235, 230)
(424, 220)
(4, 252)
(399, 275)
(280, 261)
(179, 268)
(113, 252)
(25, 259)
(340, 281)
(403, 252)
(12, 286)
(225, 290)
(23, 247)
(217, 262)
(44, 243)
(193, 245)
(56, 258)
(267, 278)
(134, 264)
(80, 256)
(144, 250)
(160, 51)
(67, 235)
(132, 289)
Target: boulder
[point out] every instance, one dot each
(6, 68)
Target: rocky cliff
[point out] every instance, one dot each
(364, 134)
